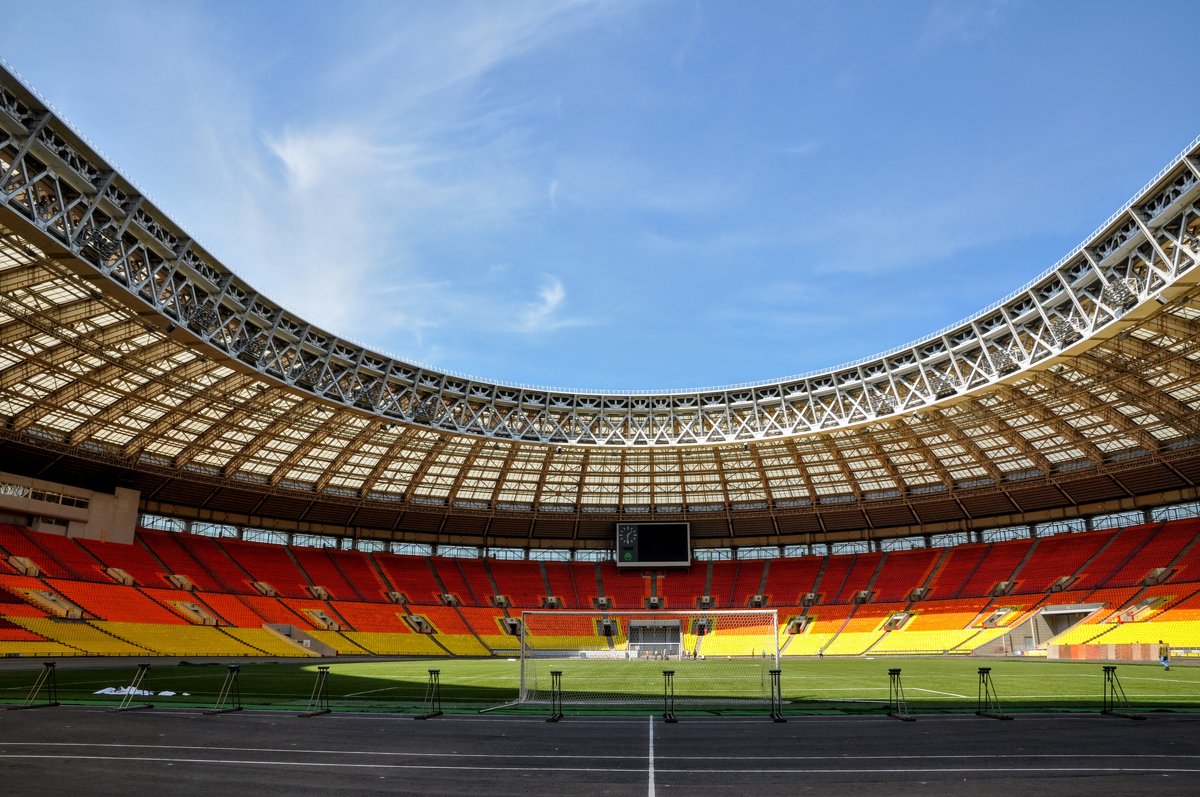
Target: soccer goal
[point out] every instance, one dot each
(618, 658)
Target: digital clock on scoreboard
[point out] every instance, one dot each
(653, 545)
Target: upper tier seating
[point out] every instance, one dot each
(271, 564)
(519, 581)
(135, 560)
(323, 571)
(627, 588)
(562, 577)
(231, 576)
(789, 580)
(78, 562)
(1124, 546)
(681, 587)
(859, 576)
(1159, 551)
(1058, 557)
(170, 548)
(1187, 568)
(724, 578)
(465, 578)
(902, 572)
(411, 576)
(747, 582)
(997, 565)
(362, 573)
(19, 542)
(831, 581)
(958, 566)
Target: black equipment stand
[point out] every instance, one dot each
(433, 697)
(230, 697)
(45, 680)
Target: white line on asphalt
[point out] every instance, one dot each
(650, 789)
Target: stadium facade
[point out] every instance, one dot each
(136, 365)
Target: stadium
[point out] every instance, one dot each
(200, 483)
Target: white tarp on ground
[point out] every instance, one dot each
(129, 690)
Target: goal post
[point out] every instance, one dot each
(616, 658)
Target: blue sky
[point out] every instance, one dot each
(655, 194)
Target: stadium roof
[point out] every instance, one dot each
(130, 356)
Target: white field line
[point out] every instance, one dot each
(936, 692)
(372, 691)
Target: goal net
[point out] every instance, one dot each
(618, 658)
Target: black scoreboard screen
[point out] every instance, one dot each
(653, 545)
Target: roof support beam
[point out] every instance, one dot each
(988, 417)
(215, 396)
(1044, 414)
(147, 394)
(1138, 393)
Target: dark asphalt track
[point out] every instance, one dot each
(86, 751)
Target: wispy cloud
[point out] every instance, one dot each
(423, 54)
(340, 220)
(695, 24)
(620, 183)
(802, 149)
(544, 314)
(962, 21)
(465, 183)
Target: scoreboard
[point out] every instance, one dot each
(653, 545)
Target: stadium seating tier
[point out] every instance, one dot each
(152, 618)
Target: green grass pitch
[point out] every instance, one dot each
(809, 685)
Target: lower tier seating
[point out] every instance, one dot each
(174, 640)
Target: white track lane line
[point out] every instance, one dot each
(401, 754)
(650, 786)
(299, 751)
(590, 770)
(311, 764)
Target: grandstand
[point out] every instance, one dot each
(191, 469)
(883, 610)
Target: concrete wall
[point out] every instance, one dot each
(112, 517)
